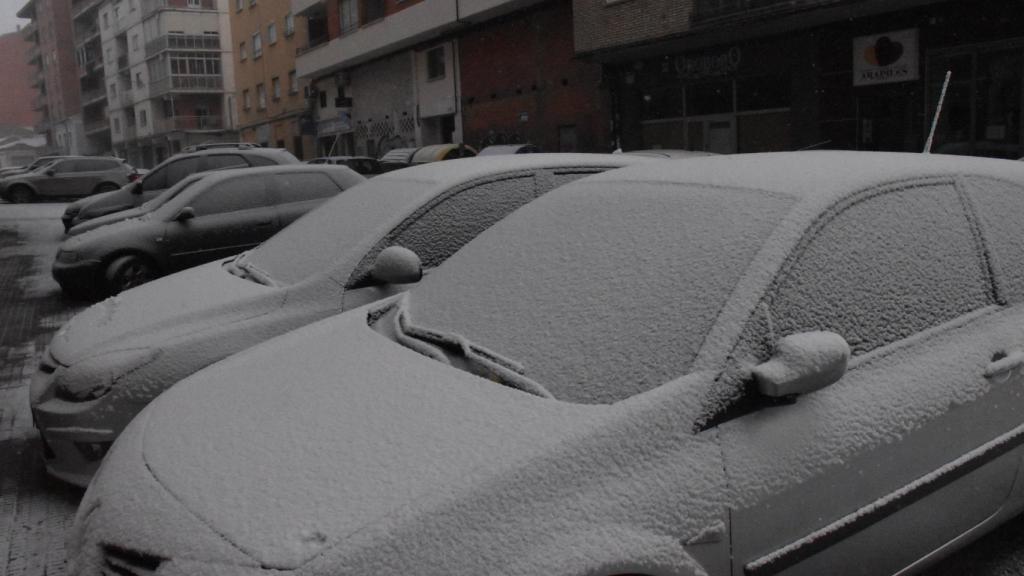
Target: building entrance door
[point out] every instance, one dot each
(715, 133)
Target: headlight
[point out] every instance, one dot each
(95, 376)
(67, 256)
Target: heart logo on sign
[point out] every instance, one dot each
(884, 52)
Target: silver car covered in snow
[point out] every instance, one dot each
(106, 363)
(798, 363)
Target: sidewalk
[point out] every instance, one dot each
(35, 510)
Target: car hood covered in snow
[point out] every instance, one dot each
(94, 223)
(176, 305)
(287, 449)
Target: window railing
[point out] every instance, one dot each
(208, 122)
(96, 126)
(183, 42)
(186, 83)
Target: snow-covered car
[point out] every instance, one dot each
(217, 214)
(105, 364)
(795, 363)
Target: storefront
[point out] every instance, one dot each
(869, 83)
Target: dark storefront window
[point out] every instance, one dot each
(763, 92)
(709, 98)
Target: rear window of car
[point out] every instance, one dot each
(262, 161)
(219, 161)
(302, 186)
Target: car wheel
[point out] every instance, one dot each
(106, 187)
(128, 272)
(22, 195)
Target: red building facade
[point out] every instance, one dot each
(20, 96)
(522, 84)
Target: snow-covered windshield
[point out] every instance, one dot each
(324, 237)
(598, 293)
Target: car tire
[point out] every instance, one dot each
(105, 187)
(21, 195)
(129, 271)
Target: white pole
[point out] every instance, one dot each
(938, 110)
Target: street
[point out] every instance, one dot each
(35, 510)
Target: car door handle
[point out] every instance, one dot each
(1003, 364)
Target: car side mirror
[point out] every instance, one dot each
(186, 213)
(50, 171)
(803, 363)
(397, 265)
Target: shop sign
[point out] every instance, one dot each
(885, 58)
(343, 123)
(709, 65)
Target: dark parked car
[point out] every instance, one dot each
(169, 173)
(68, 177)
(218, 215)
(363, 164)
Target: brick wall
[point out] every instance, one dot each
(521, 83)
(599, 24)
(19, 95)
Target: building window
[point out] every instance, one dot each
(241, 51)
(435, 63)
(375, 10)
(239, 4)
(138, 80)
(348, 11)
(257, 45)
(246, 100)
(261, 96)
(117, 125)
(135, 41)
(252, 2)
(272, 33)
(289, 24)
(293, 83)
(275, 86)
(132, 5)
(106, 21)
(117, 12)
(193, 3)
(143, 120)
(113, 90)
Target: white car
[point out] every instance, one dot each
(798, 363)
(114, 357)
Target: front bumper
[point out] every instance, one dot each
(78, 277)
(73, 446)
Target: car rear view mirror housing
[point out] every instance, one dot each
(803, 363)
(186, 213)
(397, 265)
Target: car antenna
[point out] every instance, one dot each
(938, 110)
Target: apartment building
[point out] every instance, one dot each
(57, 74)
(746, 76)
(273, 103)
(169, 75)
(385, 73)
(93, 95)
(21, 98)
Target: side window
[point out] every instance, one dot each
(180, 169)
(261, 161)
(219, 161)
(91, 165)
(301, 186)
(883, 268)
(65, 167)
(449, 224)
(1000, 209)
(240, 193)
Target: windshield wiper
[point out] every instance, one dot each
(446, 347)
(241, 267)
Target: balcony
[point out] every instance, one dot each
(96, 126)
(188, 124)
(90, 97)
(183, 42)
(90, 67)
(300, 7)
(86, 35)
(80, 9)
(151, 6)
(186, 83)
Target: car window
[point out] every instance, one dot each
(219, 161)
(261, 161)
(239, 193)
(93, 165)
(302, 186)
(437, 231)
(180, 169)
(1000, 208)
(882, 269)
(64, 166)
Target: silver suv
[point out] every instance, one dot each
(170, 172)
(68, 177)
